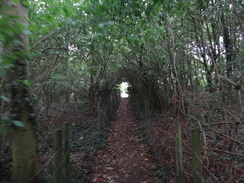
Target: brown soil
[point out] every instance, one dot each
(124, 160)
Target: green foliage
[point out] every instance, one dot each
(5, 99)
(90, 139)
(157, 46)
(18, 123)
(78, 40)
(161, 174)
(6, 124)
(25, 82)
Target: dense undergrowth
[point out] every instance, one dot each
(221, 137)
(86, 143)
(86, 139)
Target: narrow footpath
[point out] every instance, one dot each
(124, 160)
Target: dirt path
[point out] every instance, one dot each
(124, 160)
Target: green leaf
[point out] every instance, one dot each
(80, 72)
(5, 99)
(66, 11)
(92, 72)
(25, 2)
(7, 61)
(26, 32)
(16, 1)
(26, 82)
(2, 73)
(18, 123)
(106, 23)
(5, 120)
(1, 130)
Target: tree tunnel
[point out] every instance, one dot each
(69, 60)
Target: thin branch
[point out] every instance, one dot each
(233, 116)
(228, 80)
(239, 142)
(44, 37)
(224, 151)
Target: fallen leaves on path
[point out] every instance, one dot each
(124, 159)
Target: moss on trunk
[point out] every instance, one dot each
(25, 164)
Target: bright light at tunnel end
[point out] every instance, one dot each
(124, 91)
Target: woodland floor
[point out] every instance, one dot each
(125, 157)
(116, 154)
(126, 149)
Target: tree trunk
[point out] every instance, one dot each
(91, 89)
(228, 47)
(25, 164)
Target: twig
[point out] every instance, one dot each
(44, 37)
(232, 115)
(224, 151)
(221, 123)
(227, 136)
(228, 80)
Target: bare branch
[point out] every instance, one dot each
(236, 85)
(224, 151)
(44, 37)
(237, 141)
